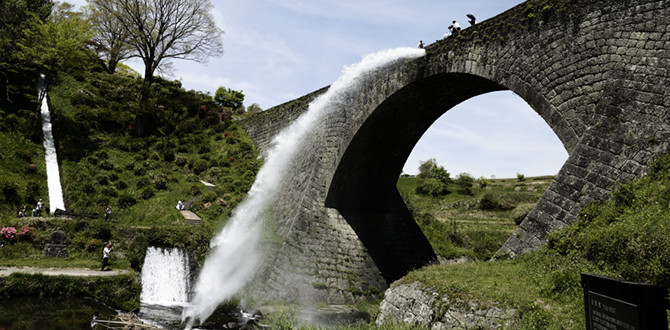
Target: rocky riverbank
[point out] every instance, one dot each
(414, 303)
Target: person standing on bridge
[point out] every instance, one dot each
(457, 27)
(105, 255)
(472, 20)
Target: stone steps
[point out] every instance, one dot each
(191, 218)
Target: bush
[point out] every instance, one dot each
(126, 201)
(137, 251)
(9, 192)
(168, 156)
(465, 182)
(521, 211)
(147, 193)
(143, 182)
(433, 187)
(106, 165)
(492, 201)
(109, 191)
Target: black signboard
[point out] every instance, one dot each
(613, 304)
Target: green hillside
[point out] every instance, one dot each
(625, 238)
(472, 219)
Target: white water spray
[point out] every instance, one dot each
(165, 277)
(53, 175)
(235, 256)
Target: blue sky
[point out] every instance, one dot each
(278, 50)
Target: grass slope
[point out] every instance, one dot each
(625, 238)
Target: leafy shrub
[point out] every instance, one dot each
(195, 190)
(521, 211)
(26, 234)
(160, 183)
(121, 185)
(180, 161)
(106, 165)
(137, 251)
(9, 192)
(113, 177)
(102, 180)
(492, 201)
(433, 187)
(147, 193)
(200, 166)
(126, 201)
(143, 182)
(8, 234)
(109, 191)
(168, 156)
(465, 182)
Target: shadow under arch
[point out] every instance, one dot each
(363, 187)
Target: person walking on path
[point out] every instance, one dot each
(105, 255)
(38, 208)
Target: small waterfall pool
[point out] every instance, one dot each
(165, 277)
(165, 284)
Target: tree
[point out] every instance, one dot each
(111, 38)
(229, 98)
(254, 108)
(57, 44)
(432, 179)
(161, 30)
(14, 17)
(430, 170)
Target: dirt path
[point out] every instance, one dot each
(6, 271)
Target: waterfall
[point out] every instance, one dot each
(53, 175)
(234, 254)
(165, 277)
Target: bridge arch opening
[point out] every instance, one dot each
(493, 135)
(363, 187)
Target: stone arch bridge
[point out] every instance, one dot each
(596, 71)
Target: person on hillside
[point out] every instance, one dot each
(180, 205)
(22, 211)
(420, 44)
(105, 255)
(108, 211)
(38, 208)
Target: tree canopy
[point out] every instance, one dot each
(160, 30)
(229, 98)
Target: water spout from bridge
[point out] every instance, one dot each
(235, 254)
